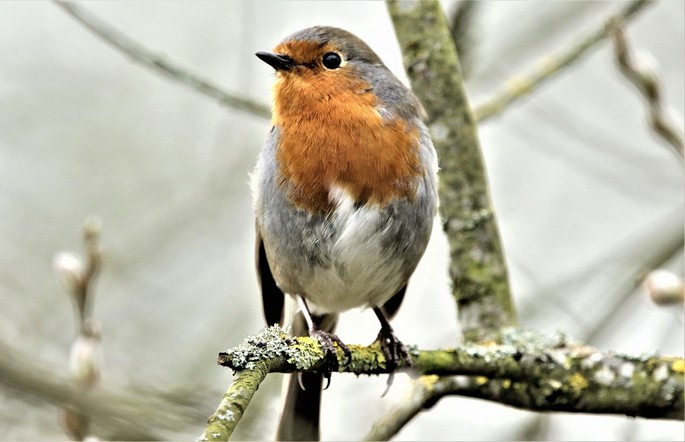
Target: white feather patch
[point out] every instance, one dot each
(362, 273)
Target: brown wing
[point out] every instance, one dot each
(393, 304)
(272, 297)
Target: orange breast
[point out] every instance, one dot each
(332, 135)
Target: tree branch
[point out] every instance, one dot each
(578, 397)
(140, 54)
(422, 390)
(477, 266)
(521, 85)
(647, 82)
(236, 399)
(526, 370)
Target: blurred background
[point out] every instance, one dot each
(588, 200)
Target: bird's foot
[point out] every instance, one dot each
(393, 349)
(327, 340)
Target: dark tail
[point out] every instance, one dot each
(300, 415)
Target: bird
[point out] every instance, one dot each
(345, 196)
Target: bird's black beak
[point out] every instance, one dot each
(279, 62)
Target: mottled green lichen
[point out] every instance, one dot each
(477, 266)
(526, 370)
(304, 353)
(678, 366)
(270, 343)
(221, 424)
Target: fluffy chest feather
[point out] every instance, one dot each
(363, 268)
(333, 136)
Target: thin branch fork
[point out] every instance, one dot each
(526, 371)
(524, 84)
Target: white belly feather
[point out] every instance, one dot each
(361, 273)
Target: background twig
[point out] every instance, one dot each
(649, 86)
(148, 58)
(521, 85)
(463, 21)
(122, 414)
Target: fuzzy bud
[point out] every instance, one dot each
(664, 287)
(75, 424)
(68, 268)
(85, 360)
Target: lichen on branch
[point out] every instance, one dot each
(524, 370)
(477, 266)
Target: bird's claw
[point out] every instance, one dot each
(393, 349)
(327, 340)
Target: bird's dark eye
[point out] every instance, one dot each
(331, 60)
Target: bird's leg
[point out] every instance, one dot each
(393, 349)
(326, 339)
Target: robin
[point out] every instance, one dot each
(345, 196)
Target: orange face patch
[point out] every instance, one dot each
(355, 149)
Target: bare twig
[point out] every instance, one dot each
(463, 29)
(84, 360)
(655, 244)
(521, 85)
(649, 86)
(417, 400)
(148, 58)
(117, 413)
